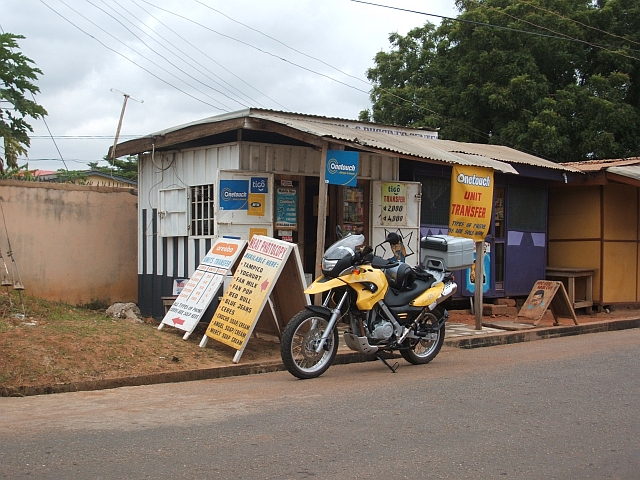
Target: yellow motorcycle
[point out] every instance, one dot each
(387, 306)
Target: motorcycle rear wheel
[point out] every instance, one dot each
(423, 351)
(299, 341)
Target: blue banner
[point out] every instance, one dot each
(259, 185)
(234, 194)
(342, 168)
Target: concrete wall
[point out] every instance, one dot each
(72, 243)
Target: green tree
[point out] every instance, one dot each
(564, 100)
(127, 168)
(16, 76)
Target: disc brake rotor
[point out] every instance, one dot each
(310, 342)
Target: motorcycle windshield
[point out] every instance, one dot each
(344, 247)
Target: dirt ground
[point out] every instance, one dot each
(56, 343)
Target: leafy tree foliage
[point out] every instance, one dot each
(16, 76)
(563, 100)
(127, 168)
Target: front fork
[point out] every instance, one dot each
(335, 314)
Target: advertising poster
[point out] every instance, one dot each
(252, 282)
(259, 185)
(196, 295)
(394, 204)
(234, 194)
(256, 204)
(470, 273)
(471, 202)
(286, 207)
(257, 231)
(342, 168)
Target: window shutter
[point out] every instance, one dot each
(173, 212)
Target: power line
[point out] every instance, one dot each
(538, 7)
(229, 85)
(567, 37)
(256, 48)
(143, 56)
(80, 137)
(162, 56)
(131, 61)
(484, 24)
(282, 43)
(51, 135)
(205, 54)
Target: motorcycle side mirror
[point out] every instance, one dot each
(393, 238)
(339, 231)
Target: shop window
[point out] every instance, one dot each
(527, 209)
(202, 210)
(436, 193)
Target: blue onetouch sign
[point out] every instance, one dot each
(259, 185)
(234, 194)
(342, 168)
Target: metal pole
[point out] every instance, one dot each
(477, 297)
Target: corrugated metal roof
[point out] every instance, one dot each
(398, 141)
(597, 165)
(630, 171)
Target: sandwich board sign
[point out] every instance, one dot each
(269, 273)
(545, 294)
(195, 297)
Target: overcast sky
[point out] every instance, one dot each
(191, 59)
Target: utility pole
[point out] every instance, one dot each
(124, 106)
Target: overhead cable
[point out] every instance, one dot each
(212, 59)
(131, 61)
(491, 25)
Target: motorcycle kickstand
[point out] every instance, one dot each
(395, 366)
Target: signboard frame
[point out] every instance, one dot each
(197, 294)
(545, 294)
(267, 273)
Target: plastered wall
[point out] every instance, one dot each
(72, 243)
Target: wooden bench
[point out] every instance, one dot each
(167, 302)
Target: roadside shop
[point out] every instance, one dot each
(594, 230)
(264, 172)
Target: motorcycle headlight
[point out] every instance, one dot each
(328, 265)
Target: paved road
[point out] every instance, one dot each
(562, 408)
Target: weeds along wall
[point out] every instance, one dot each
(72, 243)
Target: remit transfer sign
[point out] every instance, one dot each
(471, 202)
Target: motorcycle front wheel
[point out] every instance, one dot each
(298, 345)
(423, 351)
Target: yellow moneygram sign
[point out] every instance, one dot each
(471, 202)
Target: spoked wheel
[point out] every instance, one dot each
(299, 341)
(425, 350)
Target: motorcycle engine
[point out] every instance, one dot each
(381, 329)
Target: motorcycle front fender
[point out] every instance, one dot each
(319, 309)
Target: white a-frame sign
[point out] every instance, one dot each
(195, 297)
(268, 273)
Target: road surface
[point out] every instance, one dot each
(561, 408)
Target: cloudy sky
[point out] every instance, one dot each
(191, 59)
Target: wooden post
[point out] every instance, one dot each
(322, 213)
(477, 297)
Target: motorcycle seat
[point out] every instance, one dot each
(395, 298)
